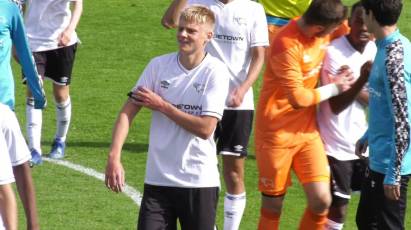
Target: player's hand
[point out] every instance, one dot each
(115, 175)
(40, 101)
(344, 78)
(361, 148)
(391, 191)
(147, 98)
(366, 69)
(65, 37)
(236, 97)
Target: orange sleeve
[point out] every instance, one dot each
(343, 29)
(287, 67)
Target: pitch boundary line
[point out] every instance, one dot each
(131, 192)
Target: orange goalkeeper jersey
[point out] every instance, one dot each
(286, 112)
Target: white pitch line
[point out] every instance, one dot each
(128, 190)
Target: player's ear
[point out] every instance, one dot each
(210, 35)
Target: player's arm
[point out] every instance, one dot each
(115, 177)
(287, 67)
(201, 126)
(342, 101)
(25, 187)
(34, 82)
(8, 207)
(77, 10)
(396, 87)
(257, 61)
(172, 15)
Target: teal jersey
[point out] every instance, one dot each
(388, 132)
(12, 33)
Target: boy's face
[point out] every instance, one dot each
(359, 33)
(367, 18)
(192, 37)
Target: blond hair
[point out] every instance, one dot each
(198, 14)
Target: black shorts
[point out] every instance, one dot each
(375, 211)
(346, 176)
(57, 64)
(233, 132)
(195, 208)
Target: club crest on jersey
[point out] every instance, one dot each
(199, 87)
(240, 21)
(164, 84)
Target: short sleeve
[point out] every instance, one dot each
(216, 93)
(259, 34)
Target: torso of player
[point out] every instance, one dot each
(45, 20)
(240, 25)
(177, 157)
(296, 60)
(337, 130)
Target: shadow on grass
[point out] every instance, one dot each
(132, 147)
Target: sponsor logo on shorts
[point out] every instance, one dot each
(268, 183)
(238, 148)
(64, 79)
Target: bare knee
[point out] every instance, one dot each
(234, 174)
(318, 196)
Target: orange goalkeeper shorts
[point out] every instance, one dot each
(308, 160)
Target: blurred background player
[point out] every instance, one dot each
(240, 38)
(340, 132)
(383, 196)
(54, 46)
(280, 12)
(184, 91)
(286, 134)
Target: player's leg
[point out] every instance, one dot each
(232, 145)
(311, 167)
(369, 205)
(156, 210)
(60, 70)
(19, 156)
(34, 117)
(375, 211)
(197, 207)
(274, 166)
(341, 174)
(8, 206)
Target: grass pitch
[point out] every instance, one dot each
(119, 37)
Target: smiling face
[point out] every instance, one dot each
(359, 35)
(192, 37)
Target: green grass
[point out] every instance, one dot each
(119, 37)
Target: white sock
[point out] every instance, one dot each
(332, 225)
(234, 206)
(63, 111)
(34, 118)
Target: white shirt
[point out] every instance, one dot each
(340, 132)
(240, 25)
(176, 157)
(45, 20)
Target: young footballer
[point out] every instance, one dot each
(240, 38)
(340, 132)
(184, 90)
(286, 135)
(383, 196)
(51, 32)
